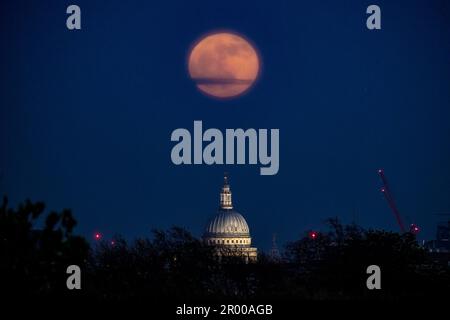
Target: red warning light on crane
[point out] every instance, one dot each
(414, 228)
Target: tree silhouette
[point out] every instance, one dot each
(174, 265)
(34, 261)
(335, 264)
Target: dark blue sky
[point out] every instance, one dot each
(86, 116)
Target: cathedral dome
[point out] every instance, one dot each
(227, 223)
(228, 230)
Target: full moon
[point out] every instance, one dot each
(223, 65)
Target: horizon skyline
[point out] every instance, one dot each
(86, 115)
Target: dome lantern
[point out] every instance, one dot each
(225, 195)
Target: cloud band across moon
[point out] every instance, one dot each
(222, 81)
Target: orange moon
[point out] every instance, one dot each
(223, 65)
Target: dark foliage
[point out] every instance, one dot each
(34, 262)
(333, 266)
(175, 264)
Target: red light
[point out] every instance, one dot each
(313, 235)
(97, 236)
(113, 242)
(414, 229)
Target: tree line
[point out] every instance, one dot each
(174, 264)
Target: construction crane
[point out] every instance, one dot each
(391, 202)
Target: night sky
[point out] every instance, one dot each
(86, 116)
